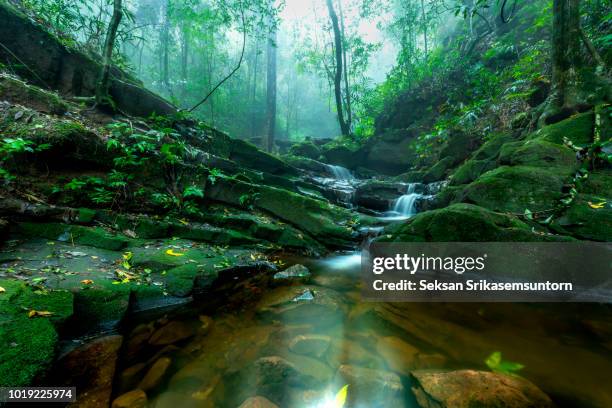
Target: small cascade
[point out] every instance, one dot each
(406, 204)
(340, 173)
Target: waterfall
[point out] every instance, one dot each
(406, 204)
(340, 173)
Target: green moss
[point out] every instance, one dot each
(537, 153)
(470, 171)
(490, 149)
(86, 215)
(91, 236)
(306, 149)
(461, 222)
(584, 222)
(438, 170)
(21, 93)
(180, 280)
(517, 188)
(28, 344)
(102, 304)
(578, 129)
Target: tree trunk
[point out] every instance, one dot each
(271, 93)
(338, 73)
(254, 90)
(424, 25)
(347, 88)
(102, 96)
(165, 46)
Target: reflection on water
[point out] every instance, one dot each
(301, 342)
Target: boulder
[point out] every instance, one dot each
(378, 195)
(306, 149)
(258, 402)
(371, 388)
(249, 156)
(470, 388)
(310, 345)
(459, 145)
(155, 374)
(132, 399)
(439, 170)
(400, 356)
(90, 368)
(170, 333)
(294, 273)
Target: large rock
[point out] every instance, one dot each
(172, 332)
(371, 388)
(258, 402)
(306, 149)
(155, 375)
(314, 345)
(132, 399)
(90, 368)
(392, 152)
(378, 195)
(461, 223)
(400, 356)
(248, 155)
(469, 388)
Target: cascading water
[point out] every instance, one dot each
(340, 173)
(406, 204)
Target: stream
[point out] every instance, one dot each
(310, 334)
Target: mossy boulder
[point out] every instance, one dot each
(391, 152)
(491, 147)
(326, 223)
(578, 129)
(470, 171)
(459, 145)
(248, 155)
(306, 164)
(585, 222)
(537, 153)
(28, 343)
(18, 92)
(306, 149)
(517, 188)
(90, 236)
(459, 222)
(439, 170)
(101, 305)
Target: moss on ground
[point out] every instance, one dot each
(91, 236)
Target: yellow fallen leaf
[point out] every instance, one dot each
(172, 253)
(184, 221)
(2, 290)
(598, 205)
(87, 282)
(39, 313)
(340, 399)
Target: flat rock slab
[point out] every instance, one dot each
(470, 388)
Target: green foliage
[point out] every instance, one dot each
(12, 147)
(497, 364)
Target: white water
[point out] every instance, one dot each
(406, 204)
(340, 173)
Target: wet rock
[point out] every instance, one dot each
(171, 333)
(378, 195)
(131, 399)
(137, 339)
(310, 345)
(207, 323)
(303, 304)
(258, 402)
(275, 373)
(91, 369)
(131, 376)
(294, 273)
(370, 387)
(429, 361)
(306, 149)
(470, 388)
(336, 282)
(400, 356)
(156, 374)
(351, 352)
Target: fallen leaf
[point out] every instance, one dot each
(340, 399)
(87, 282)
(39, 313)
(172, 253)
(2, 290)
(184, 221)
(597, 206)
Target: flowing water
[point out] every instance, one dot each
(302, 341)
(340, 173)
(405, 206)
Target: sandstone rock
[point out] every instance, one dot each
(370, 387)
(156, 374)
(400, 356)
(171, 333)
(310, 345)
(258, 402)
(131, 376)
(470, 388)
(132, 399)
(91, 369)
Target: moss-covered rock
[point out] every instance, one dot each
(517, 188)
(101, 305)
(578, 129)
(439, 170)
(459, 145)
(460, 222)
(490, 148)
(306, 149)
(325, 222)
(28, 343)
(537, 153)
(248, 155)
(18, 92)
(470, 171)
(91, 236)
(585, 222)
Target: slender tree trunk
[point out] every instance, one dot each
(102, 87)
(271, 92)
(347, 88)
(338, 73)
(424, 25)
(566, 55)
(254, 90)
(165, 48)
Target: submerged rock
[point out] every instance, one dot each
(155, 375)
(132, 399)
(258, 402)
(310, 344)
(172, 332)
(470, 388)
(294, 273)
(371, 388)
(400, 356)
